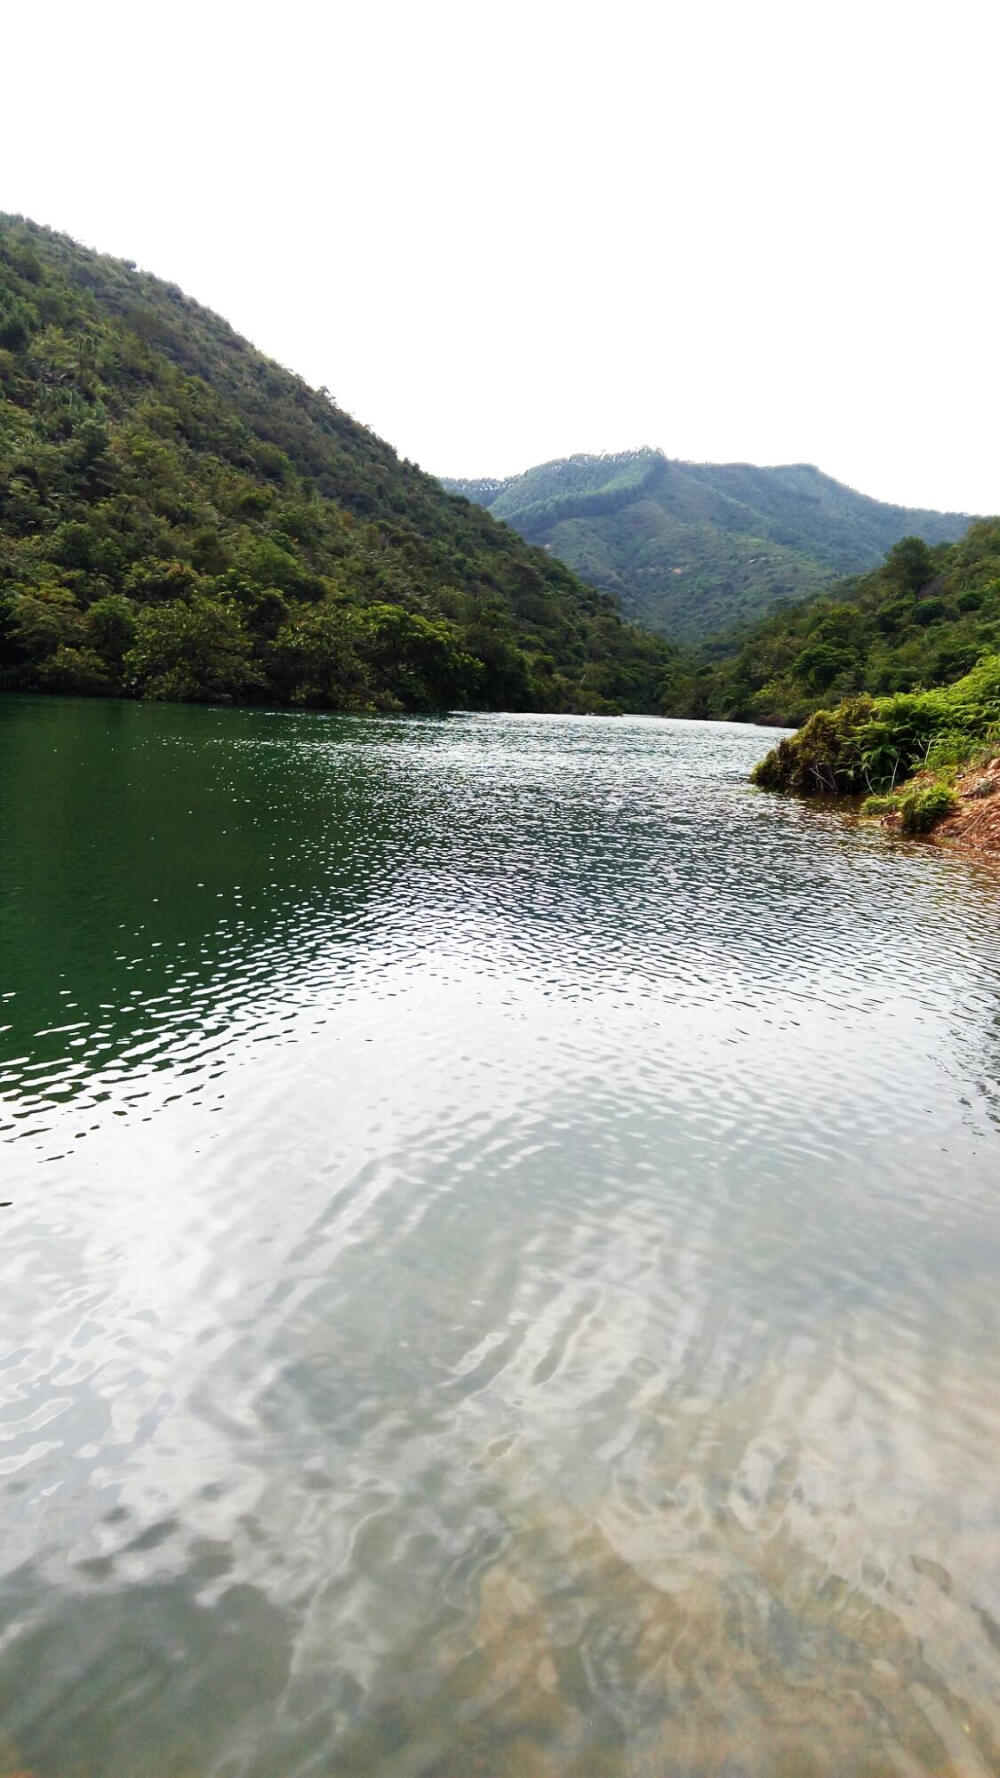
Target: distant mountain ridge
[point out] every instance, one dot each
(692, 549)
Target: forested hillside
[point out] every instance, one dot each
(922, 619)
(691, 549)
(182, 518)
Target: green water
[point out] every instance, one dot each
(501, 1263)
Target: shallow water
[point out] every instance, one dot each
(501, 1266)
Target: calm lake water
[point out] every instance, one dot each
(501, 1262)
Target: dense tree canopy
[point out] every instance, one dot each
(925, 618)
(181, 518)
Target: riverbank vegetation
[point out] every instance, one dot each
(916, 757)
(181, 518)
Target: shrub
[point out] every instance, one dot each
(947, 751)
(824, 758)
(874, 744)
(924, 805)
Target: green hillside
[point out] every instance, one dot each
(182, 518)
(924, 618)
(692, 549)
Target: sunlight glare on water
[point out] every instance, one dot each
(501, 1268)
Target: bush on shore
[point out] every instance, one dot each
(905, 751)
(874, 745)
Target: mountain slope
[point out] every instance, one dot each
(924, 618)
(180, 517)
(691, 549)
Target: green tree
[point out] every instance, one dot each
(38, 620)
(112, 626)
(194, 652)
(910, 564)
(315, 660)
(419, 661)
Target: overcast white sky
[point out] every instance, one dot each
(499, 234)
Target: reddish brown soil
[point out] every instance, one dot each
(977, 822)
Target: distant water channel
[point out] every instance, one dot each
(500, 1259)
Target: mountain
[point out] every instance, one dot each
(924, 618)
(182, 518)
(692, 549)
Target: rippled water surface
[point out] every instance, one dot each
(501, 1265)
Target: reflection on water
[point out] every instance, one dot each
(500, 1259)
